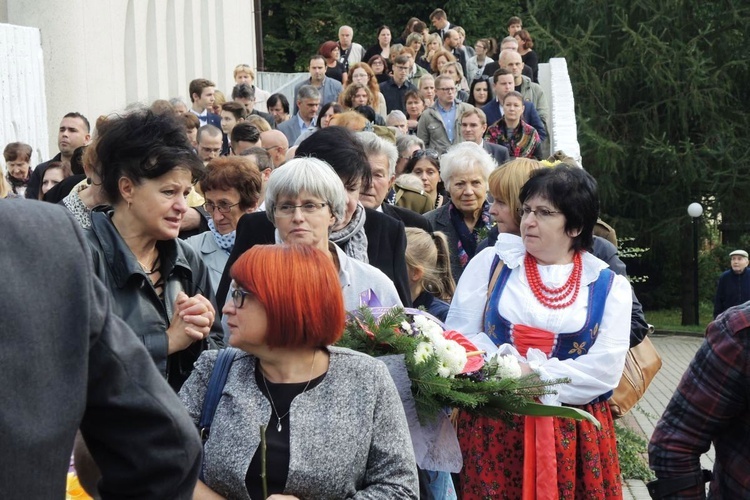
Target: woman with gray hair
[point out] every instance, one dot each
(464, 169)
(304, 200)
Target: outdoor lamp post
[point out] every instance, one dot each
(695, 210)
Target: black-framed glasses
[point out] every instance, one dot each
(238, 297)
(287, 210)
(539, 213)
(421, 153)
(224, 208)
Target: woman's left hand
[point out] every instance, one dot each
(198, 311)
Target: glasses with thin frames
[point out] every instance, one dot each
(224, 208)
(539, 213)
(447, 89)
(287, 210)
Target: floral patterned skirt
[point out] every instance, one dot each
(587, 463)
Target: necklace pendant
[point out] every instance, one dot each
(278, 425)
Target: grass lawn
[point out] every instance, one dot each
(671, 319)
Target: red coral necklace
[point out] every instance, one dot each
(554, 298)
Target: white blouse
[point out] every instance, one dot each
(591, 374)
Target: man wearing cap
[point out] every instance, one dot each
(734, 285)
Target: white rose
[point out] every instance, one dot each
(405, 326)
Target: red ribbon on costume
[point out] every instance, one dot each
(539, 457)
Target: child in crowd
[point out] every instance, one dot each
(18, 165)
(430, 277)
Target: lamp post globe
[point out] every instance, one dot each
(695, 210)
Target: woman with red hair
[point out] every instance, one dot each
(334, 68)
(335, 426)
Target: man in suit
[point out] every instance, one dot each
(308, 102)
(451, 44)
(386, 238)
(473, 127)
(438, 126)
(382, 157)
(80, 366)
(202, 96)
(502, 84)
(439, 20)
(328, 88)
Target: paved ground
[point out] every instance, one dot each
(676, 353)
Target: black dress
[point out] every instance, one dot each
(336, 72)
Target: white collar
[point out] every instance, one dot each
(509, 248)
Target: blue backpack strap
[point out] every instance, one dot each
(215, 388)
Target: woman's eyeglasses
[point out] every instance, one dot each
(421, 153)
(539, 213)
(224, 208)
(287, 210)
(238, 297)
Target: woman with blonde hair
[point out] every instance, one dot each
(430, 277)
(427, 90)
(361, 72)
(432, 44)
(453, 70)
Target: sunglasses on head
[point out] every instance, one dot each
(421, 153)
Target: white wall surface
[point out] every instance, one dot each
(23, 109)
(101, 55)
(555, 81)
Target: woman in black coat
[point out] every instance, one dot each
(365, 234)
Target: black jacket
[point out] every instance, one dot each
(136, 301)
(37, 176)
(386, 248)
(408, 217)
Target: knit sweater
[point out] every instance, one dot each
(348, 435)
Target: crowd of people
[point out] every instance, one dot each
(408, 171)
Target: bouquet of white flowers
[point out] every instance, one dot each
(447, 370)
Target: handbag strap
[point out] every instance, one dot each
(215, 388)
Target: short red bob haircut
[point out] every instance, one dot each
(299, 288)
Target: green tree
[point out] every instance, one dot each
(663, 111)
(293, 30)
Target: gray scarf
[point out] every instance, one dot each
(353, 236)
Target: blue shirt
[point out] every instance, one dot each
(449, 118)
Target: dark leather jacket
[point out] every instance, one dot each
(136, 301)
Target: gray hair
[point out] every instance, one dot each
(509, 39)
(374, 145)
(405, 142)
(308, 92)
(464, 157)
(394, 117)
(178, 100)
(414, 37)
(310, 175)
